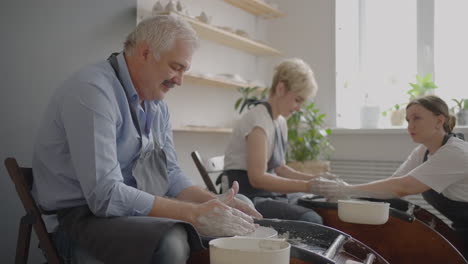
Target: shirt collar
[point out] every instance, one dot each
(127, 81)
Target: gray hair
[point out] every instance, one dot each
(296, 76)
(161, 32)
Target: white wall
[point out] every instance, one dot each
(308, 32)
(42, 43)
(194, 104)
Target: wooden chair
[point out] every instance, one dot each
(23, 180)
(211, 165)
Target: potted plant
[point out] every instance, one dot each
(308, 142)
(249, 94)
(397, 114)
(422, 86)
(462, 113)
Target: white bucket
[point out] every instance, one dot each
(363, 212)
(245, 250)
(263, 232)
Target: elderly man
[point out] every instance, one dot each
(104, 161)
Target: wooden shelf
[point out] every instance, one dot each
(256, 7)
(203, 129)
(214, 81)
(229, 39)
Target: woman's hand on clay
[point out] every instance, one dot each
(230, 199)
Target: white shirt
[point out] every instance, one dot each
(445, 171)
(236, 152)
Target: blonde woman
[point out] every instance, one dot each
(255, 155)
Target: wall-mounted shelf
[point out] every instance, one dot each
(214, 81)
(229, 39)
(203, 129)
(256, 7)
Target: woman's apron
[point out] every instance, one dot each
(456, 211)
(128, 239)
(269, 204)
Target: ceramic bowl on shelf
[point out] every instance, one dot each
(242, 33)
(232, 77)
(170, 7)
(203, 17)
(157, 8)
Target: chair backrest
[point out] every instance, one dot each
(23, 180)
(205, 167)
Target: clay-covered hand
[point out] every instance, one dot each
(329, 188)
(328, 176)
(230, 199)
(216, 218)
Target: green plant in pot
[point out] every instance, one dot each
(308, 142)
(397, 114)
(462, 111)
(248, 95)
(422, 86)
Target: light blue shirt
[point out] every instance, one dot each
(87, 145)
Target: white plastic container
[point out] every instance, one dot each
(363, 212)
(244, 250)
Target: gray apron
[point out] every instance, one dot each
(128, 239)
(269, 204)
(150, 170)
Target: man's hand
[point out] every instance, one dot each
(216, 218)
(230, 199)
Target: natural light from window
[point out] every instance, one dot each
(381, 45)
(451, 48)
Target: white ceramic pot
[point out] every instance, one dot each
(263, 232)
(397, 117)
(363, 212)
(242, 250)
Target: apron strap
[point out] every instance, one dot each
(115, 65)
(456, 211)
(446, 138)
(279, 145)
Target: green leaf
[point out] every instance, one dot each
(236, 105)
(307, 137)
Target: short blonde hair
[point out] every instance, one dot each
(297, 76)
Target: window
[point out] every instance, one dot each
(451, 48)
(382, 44)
